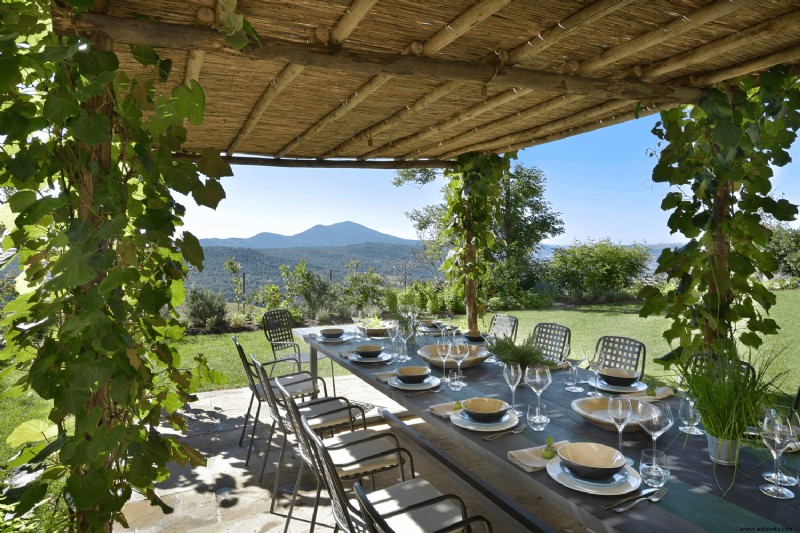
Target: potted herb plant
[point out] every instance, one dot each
(730, 395)
(526, 353)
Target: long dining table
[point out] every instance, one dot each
(702, 496)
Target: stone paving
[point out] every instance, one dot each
(226, 495)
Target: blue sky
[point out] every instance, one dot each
(599, 181)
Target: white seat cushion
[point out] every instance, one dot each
(347, 450)
(402, 495)
(319, 415)
(295, 384)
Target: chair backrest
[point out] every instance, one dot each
(372, 518)
(340, 503)
(275, 410)
(622, 352)
(503, 325)
(249, 370)
(295, 419)
(553, 339)
(278, 326)
(703, 361)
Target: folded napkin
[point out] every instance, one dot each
(530, 459)
(346, 353)
(384, 377)
(561, 365)
(661, 393)
(443, 410)
(794, 446)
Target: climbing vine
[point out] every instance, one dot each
(720, 156)
(88, 151)
(472, 198)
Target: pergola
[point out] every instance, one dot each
(407, 83)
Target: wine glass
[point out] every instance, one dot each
(393, 329)
(538, 379)
(459, 351)
(443, 350)
(619, 409)
(356, 316)
(690, 416)
(572, 382)
(654, 419)
(407, 328)
(777, 430)
(512, 373)
(595, 365)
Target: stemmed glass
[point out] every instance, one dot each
(619, 409)
(443, 350)
(572, 382)
(776, 432)
(356, 316)
(459, 351)
(393, 329)
(654, 419)
(407, 328)
(595, 365)
(538, 379)
(689, 416)
(513, 373)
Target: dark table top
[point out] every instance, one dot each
(702, 495)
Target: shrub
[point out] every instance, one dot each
(362, 289)
(306, 289)
(597, 271)
(239, 320)
(205, 308)
(391, 300)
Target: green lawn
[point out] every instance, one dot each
(587, 323)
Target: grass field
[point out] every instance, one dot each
(587, 323)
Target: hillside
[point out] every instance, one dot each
(339, 234)
(261, 266)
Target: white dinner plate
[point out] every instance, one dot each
(637, 386)
(624, 485)
(339, 340)
(505, 423)
(429, 383)
(382, 358)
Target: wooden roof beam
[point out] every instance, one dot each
(599, 112)
(328, 163)
(535, 45)
(460, 25)
(676, 27)
(139, 31)
(786, 56)
(350, 20)
(346, 25)
(745, 37)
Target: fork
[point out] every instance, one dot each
(654, 498)
(494, 436)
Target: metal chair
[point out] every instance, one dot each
(407, 519)
(503, 325)
(326, 413)
(621, 352)
(277, 326)
(711, 361)
(354, 454)
(553, 339)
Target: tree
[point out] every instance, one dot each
(784, 245)
(232, 267)
(524, 218)
(88, 152)
(723, 151)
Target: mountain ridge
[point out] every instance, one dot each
(339, 234)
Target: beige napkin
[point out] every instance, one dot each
(661, 393)
(384, 377)
(443, 410)
(346, 353)
(794, 446)
(530, 459)
(561, 365)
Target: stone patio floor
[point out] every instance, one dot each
(226, 495)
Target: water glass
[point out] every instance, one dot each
(455, 380)
(537, 416)
(653, 468)
(573, 381)
(690, 417)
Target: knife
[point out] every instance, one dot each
(643, 494)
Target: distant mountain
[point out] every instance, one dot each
(340, 234)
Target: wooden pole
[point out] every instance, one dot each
(329, 163)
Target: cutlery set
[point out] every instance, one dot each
(519, 429)
(625, 504)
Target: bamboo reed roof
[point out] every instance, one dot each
(415, 82)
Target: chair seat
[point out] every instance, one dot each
(348, 459)
(295, 384)
(425, 519)
(319, 415)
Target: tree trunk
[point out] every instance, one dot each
(471, 287)
(718, 297)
